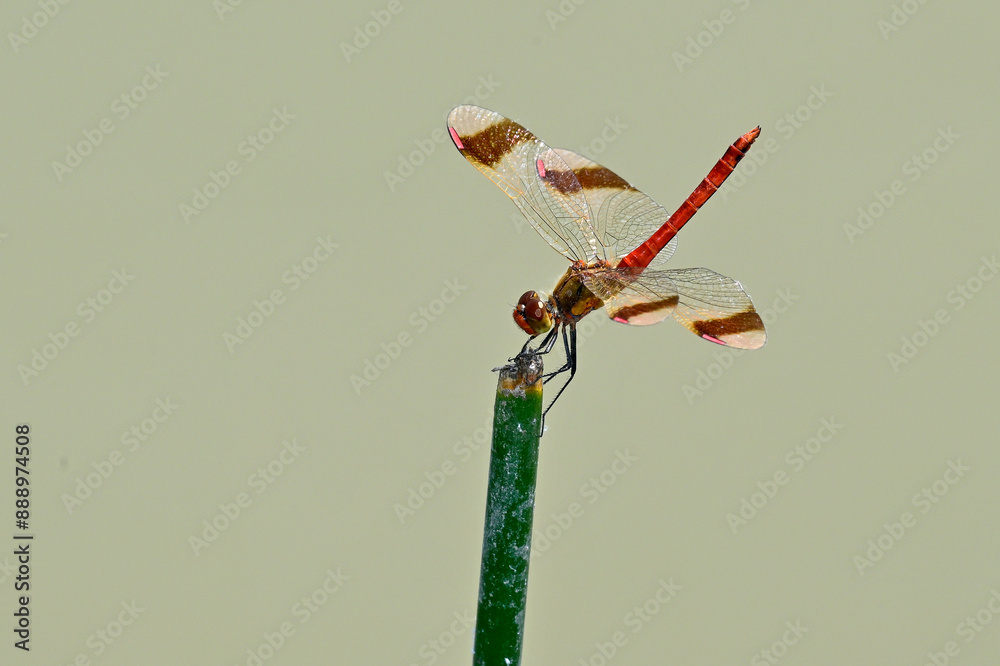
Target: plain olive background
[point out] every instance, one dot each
(693, 505)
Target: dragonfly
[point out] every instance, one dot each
(615, 237)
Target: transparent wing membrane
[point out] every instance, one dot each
(622, 216)
(716, 308)
(534, 176)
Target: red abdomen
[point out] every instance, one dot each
(642, 255)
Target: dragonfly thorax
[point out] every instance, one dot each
(571, 298)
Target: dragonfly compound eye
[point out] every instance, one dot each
(532, 314)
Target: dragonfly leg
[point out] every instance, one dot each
(549, 342)
(566, 365)
(545, 346)
(546, 342)
(569, 342)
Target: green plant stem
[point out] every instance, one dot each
(510, 507)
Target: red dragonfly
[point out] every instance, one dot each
(615, 236)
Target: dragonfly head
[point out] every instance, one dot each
(532, 314)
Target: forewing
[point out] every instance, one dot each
(533, 175)
(622, 216)
(716, 308)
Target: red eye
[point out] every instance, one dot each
(532, 314)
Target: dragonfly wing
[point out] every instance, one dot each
(623, 217)
(631, 297)
(710, 305)
(716, 308)
(533, 175)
